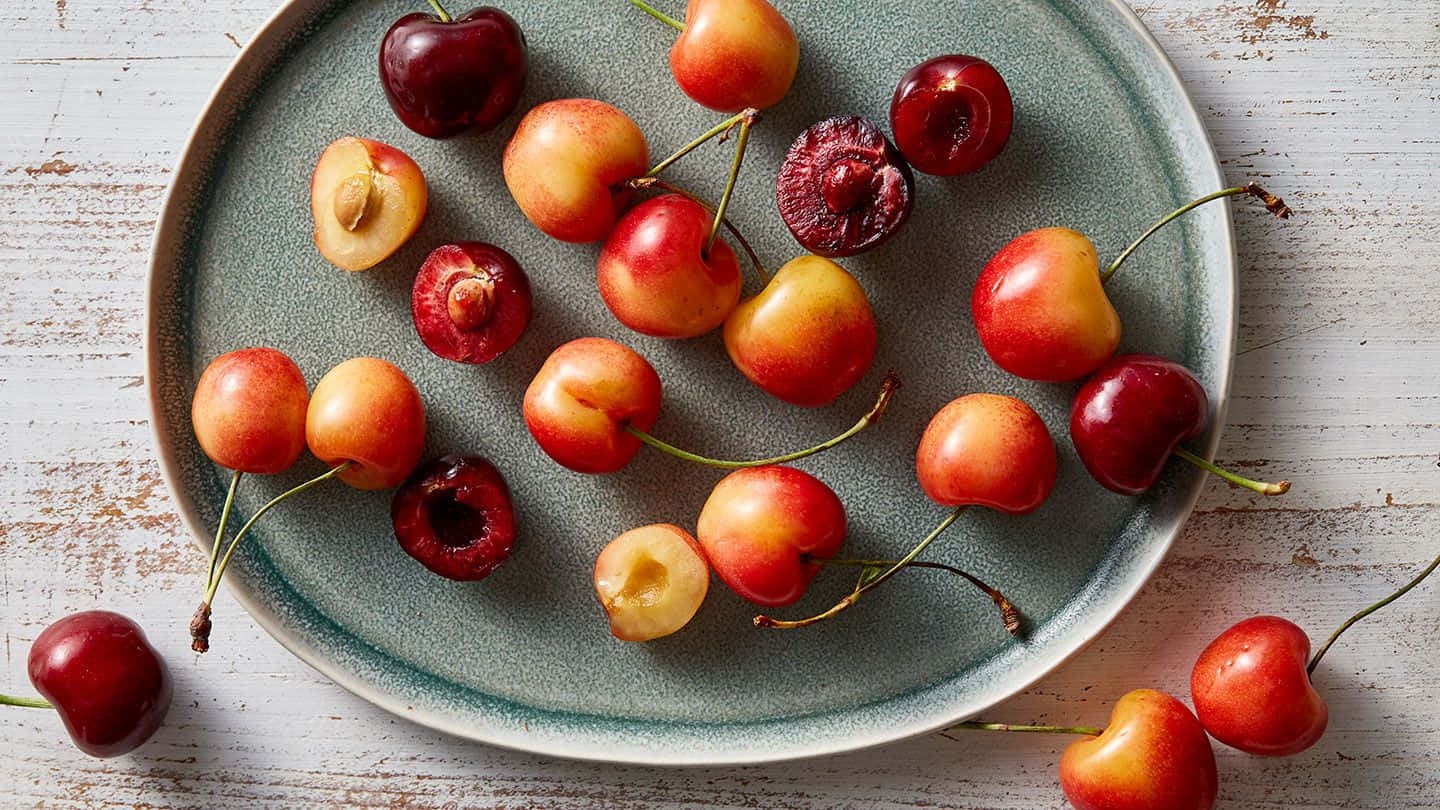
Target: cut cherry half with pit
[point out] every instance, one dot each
(843, 188)
(455, 517)
(471, 302)
(951, 115)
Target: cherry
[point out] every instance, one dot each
(110, 687)
(444, 75)
(843, 188)
(470, 302)
(1132, 415)
(731, 54)
(951, 115)
(367, 199)
(454, 516)
(651, 581)
(1040, 306)
(248, 411)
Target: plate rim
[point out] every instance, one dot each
(171, 217)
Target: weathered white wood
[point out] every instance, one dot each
(1336, 103)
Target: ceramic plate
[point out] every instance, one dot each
(1105, 141)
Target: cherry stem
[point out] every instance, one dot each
(29, 703)
(722, 127)
(440, 11)
(200, 622)
(740, 141)
(641, 183)
(1324, 648)
(865, 584)
(980, 725)
(1008, 614)
(1261, 487)
(1274, 204)
(220, 529)
(887, 391)
(658, 14)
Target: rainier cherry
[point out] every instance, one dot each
(367, 199)
(651, 581)
(732, 54)
(951, 114)
(249, 411)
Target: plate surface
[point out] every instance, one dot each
(1105, 141)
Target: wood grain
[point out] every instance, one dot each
(1333, 103)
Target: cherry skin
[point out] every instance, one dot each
(365, 411)
(807, 337)
(566, 165)
(1153, 755)
(1131, 415)
(760, 523)
(1040, 309)
(734, 54)
(951, 115)
(581, 399)
(987, 450)
(249, 411)
(470, 302)
(1252, 692)
(655, 275)
(455, 517)
(111, 688)
(443, 77)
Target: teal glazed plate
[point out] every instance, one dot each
(1105, 141)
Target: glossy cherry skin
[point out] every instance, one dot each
(581, 399)
(249, 411)
(443, 78)
(987, 450)
(734, 54)
(1131, 415)
(1252, 692)
(951, 115)
(1040, 309)
(365, 411)
(1153, 755)
(655, 275)
(759, 523)
(109, 685)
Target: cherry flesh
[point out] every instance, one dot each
(951, 115)
(111, 688)
(843, 188)
(444, 76)
(470, 302)
(249, 411)
(454, 516)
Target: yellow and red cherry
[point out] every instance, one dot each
(761, 527)
(951, 115)
(987, 450)
(455, 517)
(807, 337)
(732, 54)
(470, 302)
(660, 274)
(366, 415)
(651, 581)
(249, 411)
(567, 163)
(444, 75)
(367, 199)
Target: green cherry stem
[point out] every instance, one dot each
(200, 623)
(887, 391)
(658, 14)
(723, 126)
(29, 703)
(740, 141)
(865, 584)
(1324, 648)
(642, 183)
(1274, 204)
(1261, 487)
(980, 725)
(220, 529)
(1008, 614)
(440, 11)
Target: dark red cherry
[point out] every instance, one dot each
(443, 77)
(470, 302)
(455, 517)
(951, 115)
(109, 685)
(1131, 415)
(843, 188)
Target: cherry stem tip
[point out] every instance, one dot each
(29, 703)
(1261, 487)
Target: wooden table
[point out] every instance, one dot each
(1333, 103)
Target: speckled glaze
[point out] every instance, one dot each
(1105, 141)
